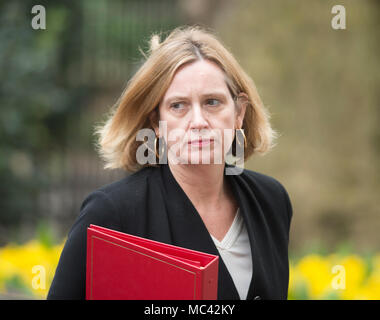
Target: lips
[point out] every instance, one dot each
(200, 142)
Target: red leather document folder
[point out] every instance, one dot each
(123, 266)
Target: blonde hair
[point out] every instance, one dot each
(117, 143)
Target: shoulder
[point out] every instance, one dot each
(118, 198)
(268, 190)
(129, 186)
(263, 181)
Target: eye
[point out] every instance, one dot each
(177, 106)
(213, 102)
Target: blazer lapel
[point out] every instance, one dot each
(246, 213)
(257, 229)
(188, 230)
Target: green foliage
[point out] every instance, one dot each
(45, 234)
(300, 292)
(47, 82)
(37, 103)
(16, 284)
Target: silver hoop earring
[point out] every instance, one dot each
(155, 148)
(245, 139)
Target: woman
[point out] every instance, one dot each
(190, 93)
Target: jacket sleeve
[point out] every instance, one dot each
(289, 207)
(70, 277)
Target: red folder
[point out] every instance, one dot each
(121, 266)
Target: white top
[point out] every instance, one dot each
(235, 251)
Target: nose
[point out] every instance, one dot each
(198, 119)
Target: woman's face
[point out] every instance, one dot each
(197, 109)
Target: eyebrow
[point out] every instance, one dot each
(209, 94)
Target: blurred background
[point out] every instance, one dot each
(320, 85)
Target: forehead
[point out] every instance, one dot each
(198, 76)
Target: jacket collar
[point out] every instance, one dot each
(189, 231)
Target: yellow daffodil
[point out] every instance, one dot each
(313, 276)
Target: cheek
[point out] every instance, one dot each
(226, 125)
(174, 133)
(226, 122)
(228, 115)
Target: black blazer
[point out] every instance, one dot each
(150, 203)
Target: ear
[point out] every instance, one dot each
(242, 101)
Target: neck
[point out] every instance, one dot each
(203, 183)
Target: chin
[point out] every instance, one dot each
(203, 159)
